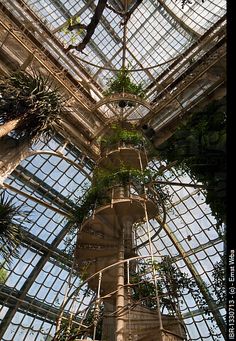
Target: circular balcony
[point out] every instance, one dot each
(121, 153)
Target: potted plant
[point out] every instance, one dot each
(122, 83)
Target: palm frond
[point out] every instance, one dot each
(33, 100)
(10, 232)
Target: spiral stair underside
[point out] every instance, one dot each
(106, 237)
(114, 157)
(99, 237)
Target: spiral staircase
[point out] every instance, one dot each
(107, 237)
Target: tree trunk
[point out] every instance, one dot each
(6, 128)
(12, 152)
(90, 28)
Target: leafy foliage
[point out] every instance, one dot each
(123, 83)
(99, 194)
(219, 280)
(31, 100)
(171, 285)
(10, 233)
(72, 34)
(122, 135)
(104, 180)
(187, 2)
(199, 146)
(3, 274)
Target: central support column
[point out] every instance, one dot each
(120, 296)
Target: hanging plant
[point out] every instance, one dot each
(122, 83)
(104, 180)
(199, 148)
(121, 176)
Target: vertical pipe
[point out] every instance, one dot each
(120, 296)
(129, 301)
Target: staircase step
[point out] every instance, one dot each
(94, 265)
(85, 252)
(91, 237)
(129, 156)
(107, 220)
(102, 225)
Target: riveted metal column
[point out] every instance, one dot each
(120, 296)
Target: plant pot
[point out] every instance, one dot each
(122, 104)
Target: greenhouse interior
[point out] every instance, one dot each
(113, 170)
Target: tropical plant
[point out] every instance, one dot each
(199, 148)
(10, 232)
(171, 284)
(99, 194)
(122, 83)
(29, 106)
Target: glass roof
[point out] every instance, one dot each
(51, 180)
